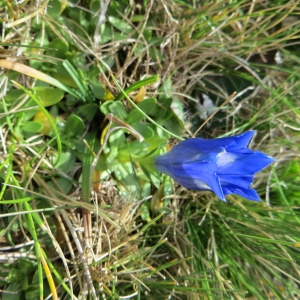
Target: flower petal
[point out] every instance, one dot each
(189, 156)
(242, 164)
(241, 141)
(250, 194)
(243, 181)
(210, 182)
(224, 165)
(194, 176)
(197, 170)
(203, 145)
(236, 142)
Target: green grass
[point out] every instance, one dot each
(90, 94)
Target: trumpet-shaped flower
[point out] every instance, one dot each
(223, 166)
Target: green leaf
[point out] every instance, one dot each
(12, 292)
(26, 266)
(58, 49)
(48, 95)
(87, 112)
(94, 6)
(147, 106)
(98, 90)
(32, 126)
(120, 24)
(116, 140)
(54, 8)
(13, 95)
(156, 142)
(79, 62)
(74, 126)
(174, 125)
(32, 293)
(164, 110)
(67, 161)
(24, 282)
(144, 129)
(104, 108)
(78, 16)
(136, 149)
(106, 34)
(65, 185)
(79, 81)
(63, 76)
(118, 109)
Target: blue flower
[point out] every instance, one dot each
(223, 166)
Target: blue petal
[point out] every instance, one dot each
(195, 148)
(178, 157)
(243, 181)
(236, 142)
(197, 171)
(242, 164)
(208, 182)
(203, 145)
(241, 141)
(194, 176)
(214, 183)
(192, 183)
(250, 194)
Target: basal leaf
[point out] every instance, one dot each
(147, 106)
(48, 95)
(120, 24)
(32, 127)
